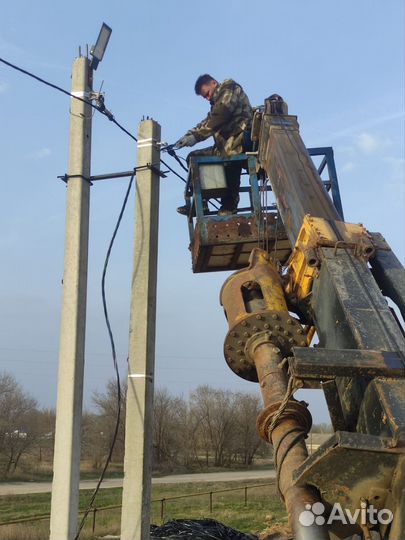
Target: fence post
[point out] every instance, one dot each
(94, 519)
(246, 488)
(162, 510)
(210, 502)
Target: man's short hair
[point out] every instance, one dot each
(202, 79)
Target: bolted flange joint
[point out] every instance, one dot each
(260, 338)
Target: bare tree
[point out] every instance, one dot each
(246, 440)
(215, 411)
(169, 418)
(46, 440)
(100, 428)
(216, 426)
(19, 427)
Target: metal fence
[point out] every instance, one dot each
(162, 502)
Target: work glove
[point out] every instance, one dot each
(186, 140)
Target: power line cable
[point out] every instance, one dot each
(114, 355)
(47, 83)
(173, 171)
(172, 153)
(100, 107)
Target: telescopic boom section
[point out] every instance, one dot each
(294, 179)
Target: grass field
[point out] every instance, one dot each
(263, 509)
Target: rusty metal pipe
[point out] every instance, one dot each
(287, 437)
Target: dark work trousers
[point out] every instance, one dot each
(232, 172)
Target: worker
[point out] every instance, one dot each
(229, 122)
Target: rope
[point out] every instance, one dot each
(289, 392)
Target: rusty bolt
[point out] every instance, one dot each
(240, 343)
(240, 352)
(266, 326)
(286, 333)
(243, 323)
(234, 334)
(300, 331)
(255, 329)
(277, 327)
(274, 316)
(291, 340)
(246, 334)
(258, 317)
(289, 321)
(228, 347)
(303, 343)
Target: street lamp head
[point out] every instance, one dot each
(98, 50)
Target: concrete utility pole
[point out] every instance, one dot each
(65, 487)
(135, 519)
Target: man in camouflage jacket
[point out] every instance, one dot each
(229, 122)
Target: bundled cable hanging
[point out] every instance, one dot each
(114, 355)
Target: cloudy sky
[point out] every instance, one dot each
(338, 64)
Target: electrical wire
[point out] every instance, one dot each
(56, 87)
(114, 355)
(173, 171)
(177, 158)
(100, 107)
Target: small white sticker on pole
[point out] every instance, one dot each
(139, 376)
(143, 143)
(80, 94)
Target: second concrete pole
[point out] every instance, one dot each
(136, 497)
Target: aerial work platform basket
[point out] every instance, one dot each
(224, 243)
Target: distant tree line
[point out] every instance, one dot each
(213, 428)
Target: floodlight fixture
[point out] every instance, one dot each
(98, 50)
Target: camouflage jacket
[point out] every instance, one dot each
(230, 115)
